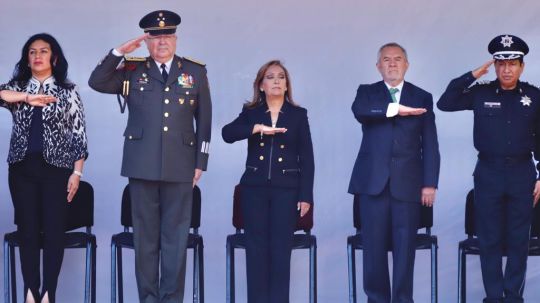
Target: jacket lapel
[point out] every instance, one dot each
(153, 70)
(175, 71)
(383, 94)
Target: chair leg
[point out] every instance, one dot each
(113, 272)
(120, 275)
(462, 272)
(434, 273)
(7, 285)
(94, 265)
(313, 271)
(201, 272)
(352, 273)
(196, 273)
(13, 274)
(230, 273)
(88, 272)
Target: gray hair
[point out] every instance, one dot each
(391, 44)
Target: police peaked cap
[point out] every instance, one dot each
(507, 47)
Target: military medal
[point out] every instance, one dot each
(526, 101)
(191, 102)
(181, 101)
(185, 80)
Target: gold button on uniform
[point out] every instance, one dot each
(166, 115)
(261, 144)
(280, 159)
(187, 93)
(165, 128)
(142, 88)
(167, 89)
(282, 146)
(261, 158)
(130, 137)
(166, 101)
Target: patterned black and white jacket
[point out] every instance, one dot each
(64, 130)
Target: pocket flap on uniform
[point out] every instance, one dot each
(133, 133)
(189, 139)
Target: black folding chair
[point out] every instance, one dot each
(80, 214)
(424, 240)
(300, 241)
(470, 245)
(125, 240)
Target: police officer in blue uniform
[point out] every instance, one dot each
(506, 135)
(166, 144)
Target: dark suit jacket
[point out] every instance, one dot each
(286, 159)
(160, 140)
(402, 150)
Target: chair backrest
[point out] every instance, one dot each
(470, 228)
(425, 220)
(81, 209)
(304, 223)
(126, 220)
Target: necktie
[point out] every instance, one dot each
(164, 72)
(393, 92)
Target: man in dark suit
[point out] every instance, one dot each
(397, 168)
(506, 135)
(164, 154)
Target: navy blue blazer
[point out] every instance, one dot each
(285, 158)
(402, 150)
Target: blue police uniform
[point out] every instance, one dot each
(279, 174)
(506, 130)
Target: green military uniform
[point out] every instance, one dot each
(167, 137)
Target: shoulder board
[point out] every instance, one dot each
(135, 59)
(483, 82)
(531, 85)
(194, 61)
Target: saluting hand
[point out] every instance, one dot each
(131, 45)
(39, 100)
(410, 111)
(482, 70)
(536, 192)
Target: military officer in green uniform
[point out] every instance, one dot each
(165, 149)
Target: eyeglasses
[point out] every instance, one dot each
(158, 38)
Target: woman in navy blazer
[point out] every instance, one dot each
(277, 184)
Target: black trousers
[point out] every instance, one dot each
(388, 223)
(503, 203)
(270, 215)
(39, 194)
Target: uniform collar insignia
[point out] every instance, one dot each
(526, 101)
(506, 41)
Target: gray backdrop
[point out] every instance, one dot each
(329, 48)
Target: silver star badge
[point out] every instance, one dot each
(506, 41)
(526, 101)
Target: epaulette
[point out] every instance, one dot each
(531, 85)
(483, 82)
(135, 59)
(194, 61)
